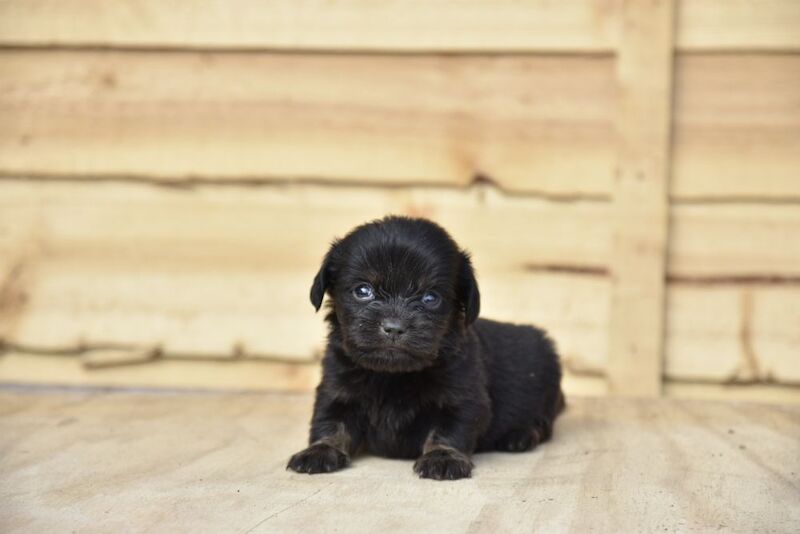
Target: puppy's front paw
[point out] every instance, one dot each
(443, 464)
(318, 458)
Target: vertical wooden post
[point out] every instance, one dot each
(640, 207)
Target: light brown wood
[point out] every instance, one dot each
(387, 25)
(221, 271)
(749, 239)
(165, 373)
(760, 393)
(728, 334)
(260, 375)
(116, 357)
(70, 457)
(639, 214)
(737, 126)
(738, 240)
(738, 25)
(96, 369)
(536, 124)
(732, 333)
(355, 101)
(539, 123)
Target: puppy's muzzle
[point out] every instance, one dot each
(393, 328)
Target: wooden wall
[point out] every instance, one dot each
(626, 174)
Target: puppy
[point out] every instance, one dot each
(410, 371)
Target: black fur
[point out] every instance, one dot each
(436, 384)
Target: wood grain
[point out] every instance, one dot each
(387, 25)
(223, 271)
(221, 460)
(755, 393)
(732, 333)
(737, 126)
(737, 240)
(639, 218)
(213, 375)
(96, 369)
(538, 123)
(738, 25)
(226, 270)
(425, 108)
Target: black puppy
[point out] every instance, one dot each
(409, 372)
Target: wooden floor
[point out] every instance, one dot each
(93, 461)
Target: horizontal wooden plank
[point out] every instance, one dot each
(738, 25)
(262, 314)
(731, 333)
(387, 25)
(533, 124)
(461, 25)
(239, 375)
(235, 375)
(225, 270)
(712, 336)
(757, 393)
(737, 126)
(734, 240)
(538, 123)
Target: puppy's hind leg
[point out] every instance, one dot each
(516, 441)
(521, 440)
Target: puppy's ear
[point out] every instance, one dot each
(468, 294)
(324, 278)
(319, 286)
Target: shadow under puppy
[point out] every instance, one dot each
(409, 370)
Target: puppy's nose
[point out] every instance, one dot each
(393, 327)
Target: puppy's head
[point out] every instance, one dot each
(399, 289)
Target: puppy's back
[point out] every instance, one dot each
(524, 376)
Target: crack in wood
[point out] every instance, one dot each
(749, 369)
(138, 353)
(766, 380)
(189, 182)
(675, 279)
(576, 368)
(296, 503)
(13, 297)
(563, 268)
(724, 199)
(745, 279)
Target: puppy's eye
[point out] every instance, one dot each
(431, 299)
(364, 292)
